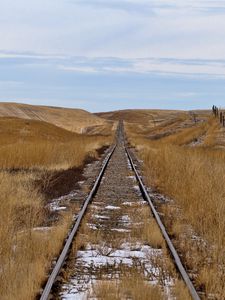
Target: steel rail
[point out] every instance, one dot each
(47, 289)
(170, 245)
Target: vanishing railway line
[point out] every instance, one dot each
(111, 213)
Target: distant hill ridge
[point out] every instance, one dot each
(76, 120)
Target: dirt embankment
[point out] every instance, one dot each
(54, 184)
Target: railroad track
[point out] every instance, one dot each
(115, 161)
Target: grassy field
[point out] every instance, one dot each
(36, 144)
(32, 152)
(183, 158)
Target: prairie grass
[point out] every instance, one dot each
(27, 249)
(34, 144)
(180, 291)
(49, 155)
(131, 286)
(194, 177)
(25, 253)
(150, 232)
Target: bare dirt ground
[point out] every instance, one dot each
(68, 189)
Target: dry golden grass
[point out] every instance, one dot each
(35, 144)
(180, 291)
(48, 155)
(150, 232)
(139, 116)
(194, 177)
(131, 286)
(26, 253)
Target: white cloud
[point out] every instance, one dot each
(5, 55)
(81, 69)
(168, 67)
(132, 28)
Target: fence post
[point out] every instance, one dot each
(223, 121)
(221, 117)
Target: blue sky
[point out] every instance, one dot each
(105, 55)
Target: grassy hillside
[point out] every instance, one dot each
(31, 144)
(161, 124)
(183, 158)
(75, 120)
(14, 130)
(140, 116)
(39, 161)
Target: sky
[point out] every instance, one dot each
(103, 55)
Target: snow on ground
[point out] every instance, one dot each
(126, 219)
(120, 230)
(137, 189)
(112, 207)
(95, 258)
(92, 226)
(55, 204)
(132, 177)
(101, 217)
(92, 256)
(132, 203)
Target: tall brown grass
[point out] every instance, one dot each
(35, 144)
(26, 251)
(49, 155)
(194, 178)
(132, 286)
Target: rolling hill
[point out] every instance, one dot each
(75, 120)
(14, 130)
(140, 116)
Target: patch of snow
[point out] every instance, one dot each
(81, 182)
(60, 208)
(132, 177)
(143, 202)
(95, 257)
(41, 228)
(126, 219)
(128, 163)
(92, 226)
(112, 207)
(137, 188)
(120, 230)
(128, 203)
(101, 217)
(55, 203)
(96, 207)
(132, 203)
